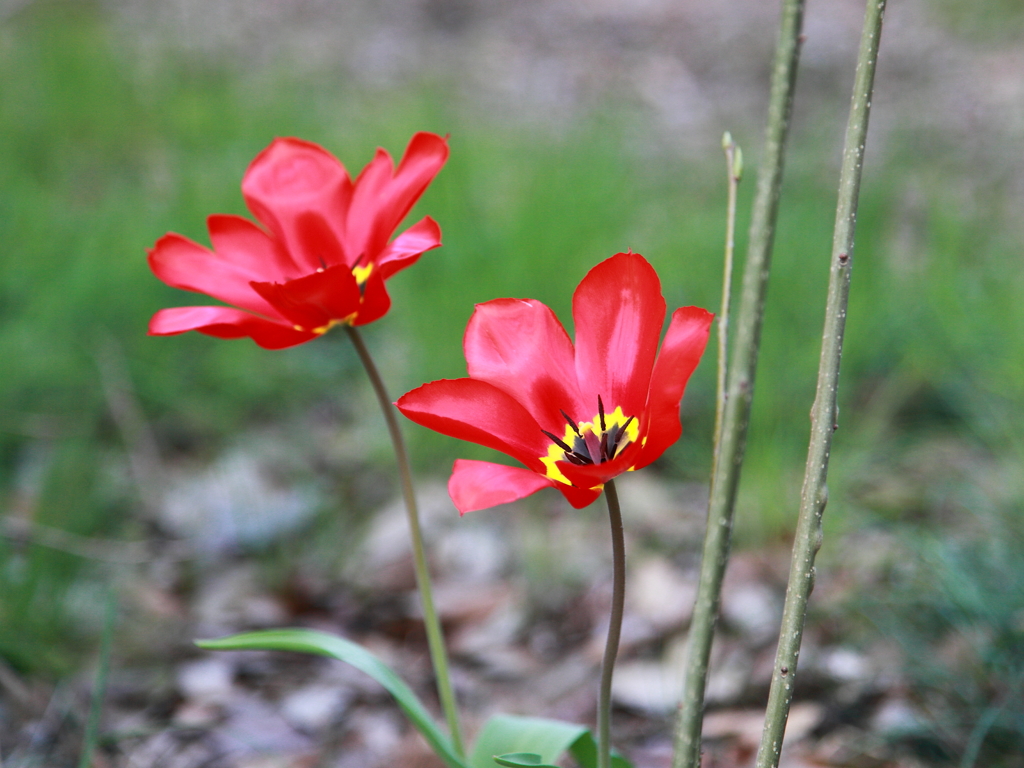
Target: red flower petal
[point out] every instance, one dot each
(681, 351)
(405, 249)
(479, 413)
(578, 497)
(291, 181)
(618, 310)
(481, 484)
(381, 199)
(250, 249)
(226, 323)
(376, 301)
(182, 263)
(313, 301)
(315, 241)
(593, 475)
(520, 347)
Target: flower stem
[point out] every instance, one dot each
(435, 638)
(824, 414)
(740, 391)
(611, 648)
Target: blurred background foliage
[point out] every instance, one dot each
(107, 142)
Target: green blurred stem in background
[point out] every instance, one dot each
(435, 639)
(726, 471)
(824, 413)
(99, 691)
(734, 169)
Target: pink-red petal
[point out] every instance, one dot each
(479, 413)
(250, 249)
(315, 241)
(291, 180)
(185, 264)
(375, 302)
(478, 485)
(405, 249)
(578, 497)
(519, 346)
(381, 197)
(594, 475)
(226, 323)
(618, 310)
(681, 351)
(315, 300)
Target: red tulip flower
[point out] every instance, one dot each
(575, 417)
(322, 254)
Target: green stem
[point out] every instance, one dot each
(740, 391)
(435, 638)
(824, 414)
(734, 168)
(611, 648)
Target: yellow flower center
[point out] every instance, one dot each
(590, 442)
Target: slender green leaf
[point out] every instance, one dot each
(320, 643)
(522, 760)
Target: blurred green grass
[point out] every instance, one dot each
(99, 156)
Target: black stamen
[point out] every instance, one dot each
(618, 433)
(572, 423)
(323, 264)
(359, 258)
(591, 448)
(558, 442)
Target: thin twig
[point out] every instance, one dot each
(435, 637)
(611, 648)
(742, 367)
(824, 414)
